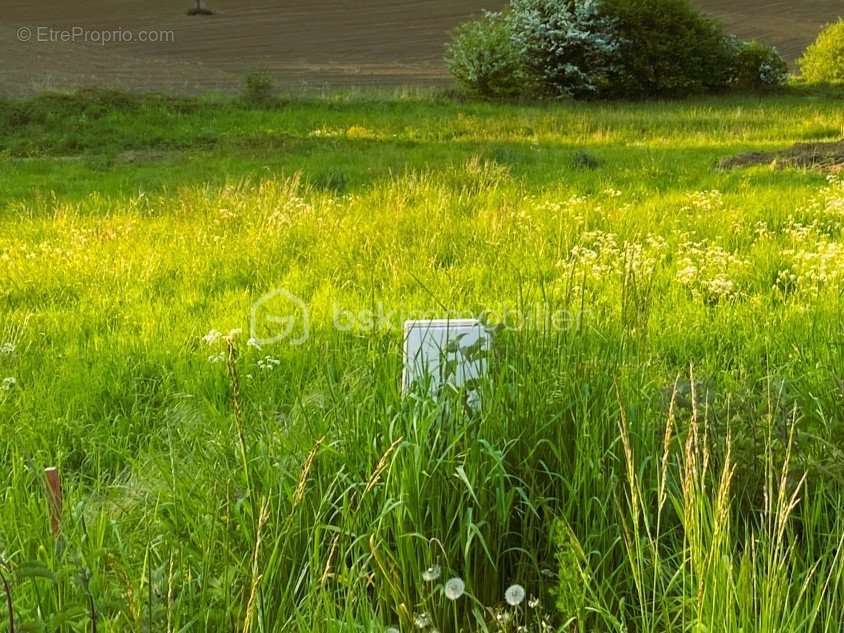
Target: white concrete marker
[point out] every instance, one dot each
(446, 352)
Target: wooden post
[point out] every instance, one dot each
(200, 7)
(54, 499)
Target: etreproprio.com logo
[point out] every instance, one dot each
(83, 35)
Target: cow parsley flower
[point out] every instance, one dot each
(212, 337)
(268, 363)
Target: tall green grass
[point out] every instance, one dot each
(225, 487)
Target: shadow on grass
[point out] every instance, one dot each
(344, 166)
(115, 144)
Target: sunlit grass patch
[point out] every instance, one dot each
(213, 482)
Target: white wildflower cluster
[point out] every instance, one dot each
(710, 272)
(216, 336)
(801, 233)
(761, 231)
(786, 280)
(288, 210)
(9, 382)
(580, 209)
(703, 201)
(326, 132)
(212, 337)
(574, 206)
(821, 265)
(832, 197)
(828, 206)
(268, 363)
(601, 255)
(816, 257)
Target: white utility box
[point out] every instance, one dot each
(446, 352)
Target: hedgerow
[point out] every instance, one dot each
(606, 49)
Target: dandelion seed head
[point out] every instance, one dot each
(454, 588)
(514, 595)
(422, 621)
(431, 574)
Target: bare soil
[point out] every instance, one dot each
(301, 43)
(827, 156)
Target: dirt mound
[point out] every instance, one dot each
(827, 156)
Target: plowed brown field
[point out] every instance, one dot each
(310, 43)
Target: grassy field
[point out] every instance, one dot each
(660, 442)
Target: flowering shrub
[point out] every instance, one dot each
(548, 47)
(606, 48)
(484, 60)
(757, 66)
(572, 48)
(823, 61)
